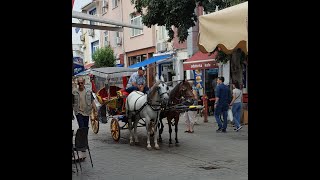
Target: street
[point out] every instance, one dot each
(203, 155)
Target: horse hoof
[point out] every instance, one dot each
(137, 143)
(149, 148)
(160, 140)
(170, 145)
(157, 147)
(131, 143)
(177, 144)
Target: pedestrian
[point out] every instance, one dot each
(83, 103)
(221, 106)
(236, 104)
(190, 116)
(137, 82)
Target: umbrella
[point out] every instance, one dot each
(226, 29)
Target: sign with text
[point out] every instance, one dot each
(78, 65)
(199, 65)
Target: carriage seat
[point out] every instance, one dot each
(122, 93)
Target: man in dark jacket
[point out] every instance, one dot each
(221, 105)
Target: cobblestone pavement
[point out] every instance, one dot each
(202, 155)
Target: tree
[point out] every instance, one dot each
(177, 13)
(104, 57)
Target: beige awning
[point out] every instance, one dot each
(227, 29)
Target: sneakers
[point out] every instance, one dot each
(238, 128)
(219, 130)
(224, 130)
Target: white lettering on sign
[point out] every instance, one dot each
(196, 66)
(207, 65)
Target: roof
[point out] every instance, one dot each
(87, 66)
(150, 60)
(198, 56)
(112, 72)
(88, 6)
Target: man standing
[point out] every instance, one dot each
(221, 104)
(83, 102)
(137, 82)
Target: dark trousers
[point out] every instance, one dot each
(83, 121)
(217, 114)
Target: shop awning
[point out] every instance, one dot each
(87, 66)
(149, 61)
(201, 61)
(227, 29)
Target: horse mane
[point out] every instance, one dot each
(152, 91)
(172, 95)
(173, 92)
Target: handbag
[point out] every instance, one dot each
(230, 115)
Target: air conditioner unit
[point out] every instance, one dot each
(161, 46)
(138, 59)
(82, 37)
(118, 40)
(91, 32)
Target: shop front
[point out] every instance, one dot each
(204, 70)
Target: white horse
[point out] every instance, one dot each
(147, 106)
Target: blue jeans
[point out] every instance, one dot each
(83, 121)
(218, 111)
(236, 111)
(134, 88)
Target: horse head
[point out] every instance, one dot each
(182, 93)
(162, 89)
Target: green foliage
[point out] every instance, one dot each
(104, 57)
(177, 13)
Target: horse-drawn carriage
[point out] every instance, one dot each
(110, 98)
(140, 109)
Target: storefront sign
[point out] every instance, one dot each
(78, 65)
(200, 65)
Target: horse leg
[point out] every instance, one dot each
(160, 130)
(155, 138)
(130, 129)
(136, 140)
(148, 135)
(176, 121)
(170, 131)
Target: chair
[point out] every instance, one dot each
(81, 143)
(74, 157)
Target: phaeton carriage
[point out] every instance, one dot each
(110, 99)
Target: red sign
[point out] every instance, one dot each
(199, 65)
(72, 3)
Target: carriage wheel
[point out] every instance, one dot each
(94, 122)
(115, 129)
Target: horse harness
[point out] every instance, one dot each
(152, 106)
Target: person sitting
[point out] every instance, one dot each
(137, 82)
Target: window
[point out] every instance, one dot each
(114, 3)
(104, 6)
(94, 46)
(94, 13)
(134, 59)
(106, 38)
(117, 39)
(136, 20)
(163, 33)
